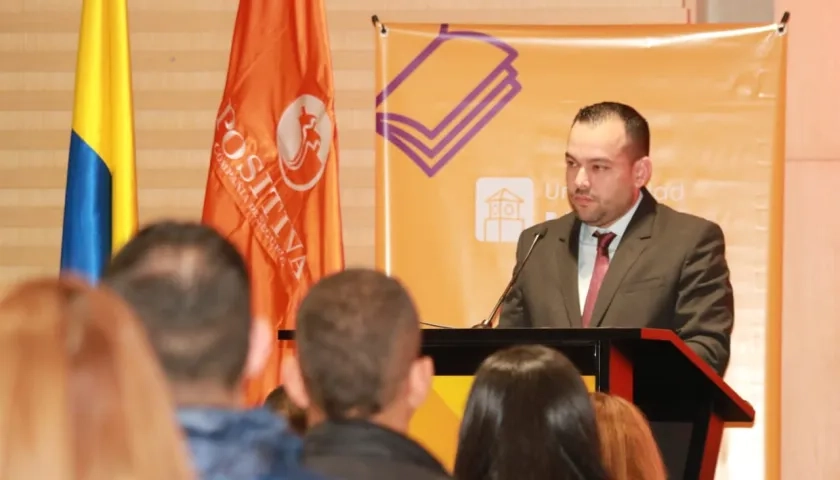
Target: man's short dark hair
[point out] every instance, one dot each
(357, 334)
(190, 288)
(635, 125)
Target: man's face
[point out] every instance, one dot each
(602, 177)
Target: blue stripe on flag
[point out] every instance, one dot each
(86, 237)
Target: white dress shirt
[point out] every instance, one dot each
(588, 249)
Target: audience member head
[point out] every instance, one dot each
(607, 161)
(190, 288)
(358, 351)
(82, 396)
(627, 444)
(278, 402)
(528, 416)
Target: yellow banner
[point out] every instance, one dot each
(472, 124)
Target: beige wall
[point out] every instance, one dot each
(722, 11)
(180, 51)
(811, 318)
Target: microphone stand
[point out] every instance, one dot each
(488, 322)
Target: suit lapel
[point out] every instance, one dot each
(567, 262)
(635, 241)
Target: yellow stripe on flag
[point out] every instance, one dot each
(103, 112)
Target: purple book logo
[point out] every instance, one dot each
(432, 148)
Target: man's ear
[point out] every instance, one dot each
(293, 382)
(260, 347)
(642, 172)
(420, 381)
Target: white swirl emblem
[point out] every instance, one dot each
(304, 138)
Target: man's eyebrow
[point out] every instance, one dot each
(569, 156)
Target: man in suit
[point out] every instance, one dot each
(621, 259)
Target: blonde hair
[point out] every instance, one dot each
(627, 444)
(81, 394)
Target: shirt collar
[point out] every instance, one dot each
(618, 228)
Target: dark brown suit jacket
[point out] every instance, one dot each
(669, 271)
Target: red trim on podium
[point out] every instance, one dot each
(711, 452)
(671, 337)
(621, 375)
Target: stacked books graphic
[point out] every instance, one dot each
(445, 96)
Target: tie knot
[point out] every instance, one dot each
(604, 239)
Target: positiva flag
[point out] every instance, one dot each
(100, 206)
(272, 187)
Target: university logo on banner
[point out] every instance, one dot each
(472, 123)
(504, 206)
(472, 101)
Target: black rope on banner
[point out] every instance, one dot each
(783, 23)
(383, 30)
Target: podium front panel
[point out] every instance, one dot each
(436, 423)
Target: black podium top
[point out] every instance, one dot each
(669, 378)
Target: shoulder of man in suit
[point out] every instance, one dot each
(683, 220)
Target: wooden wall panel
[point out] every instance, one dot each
(813, 78)
(810, 429)
(810, 326)
(179, 59)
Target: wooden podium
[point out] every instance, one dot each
(686, 402)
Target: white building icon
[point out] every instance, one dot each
(503, 208)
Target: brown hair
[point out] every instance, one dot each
(81, 394)
(627, 444)
(278, 402)
(357, 334)
(189, 286)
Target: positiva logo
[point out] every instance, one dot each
(304, 135)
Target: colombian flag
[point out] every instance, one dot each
(100, 205)
(272, 188)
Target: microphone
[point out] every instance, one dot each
(486, 323)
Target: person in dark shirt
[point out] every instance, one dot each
(359, 375)
(190, 288)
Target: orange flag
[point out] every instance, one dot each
(272, 188)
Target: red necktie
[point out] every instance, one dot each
(602, 263)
